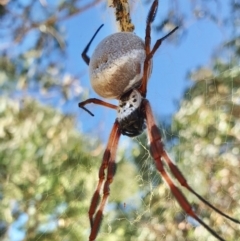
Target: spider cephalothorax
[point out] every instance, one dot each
(119, 69)
(130, 114)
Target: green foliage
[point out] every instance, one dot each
(33, 43)
(205, 137)
(207, 126)
(49, 171)
(205, 134)
(45, 171)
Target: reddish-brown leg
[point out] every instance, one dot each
(158, 152)
(109, 163)
(97, 102)
(147, 63)
(181, 179)
(159, 42)
(147, 67)
(179, 176)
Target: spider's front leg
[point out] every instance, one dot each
(147, 63)
(97, 102)
(147, 67)
(109, 163)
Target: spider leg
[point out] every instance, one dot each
(147, 67)
(159, 42)
(150, 19)
(179, 176)
(84, 53)
(147, 63)
(158, 152)
(109, 163)
(97, 102)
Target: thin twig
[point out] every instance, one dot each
(53, 19)
(122, 13)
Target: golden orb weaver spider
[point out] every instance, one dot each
(119, 69)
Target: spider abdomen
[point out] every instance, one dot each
(116, 65)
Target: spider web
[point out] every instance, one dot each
(141, 207)
(209, 162)
(204, 148)
(203, 141)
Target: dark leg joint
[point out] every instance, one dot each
(155, 133)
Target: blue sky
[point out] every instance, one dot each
(171, 62)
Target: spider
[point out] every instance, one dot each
(119, 69)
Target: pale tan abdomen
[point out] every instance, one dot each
(116, 65)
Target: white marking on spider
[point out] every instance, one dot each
(127, 106)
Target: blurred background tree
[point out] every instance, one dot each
(48, 167)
